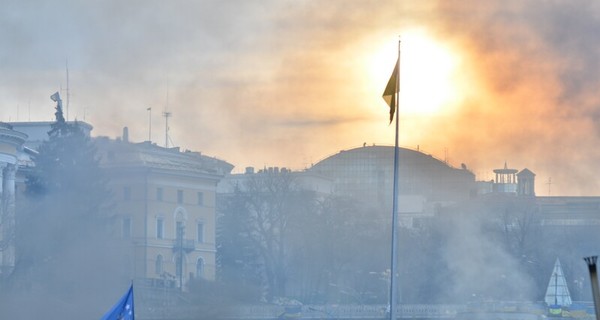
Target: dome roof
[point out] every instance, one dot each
(368, 171)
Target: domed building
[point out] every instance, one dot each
(367, 173)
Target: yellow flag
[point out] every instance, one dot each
(389, 94)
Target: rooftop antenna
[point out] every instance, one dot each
(446, 155)
(167, 114)
(149, 123)
(67, 91)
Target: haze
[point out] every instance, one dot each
(287, 83)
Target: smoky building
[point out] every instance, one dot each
(424, 182)
(165, 204)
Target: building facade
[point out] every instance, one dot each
(165, 206)
(11, 146)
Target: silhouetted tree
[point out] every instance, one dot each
(237, 259)
(63, 247)
(259, 217)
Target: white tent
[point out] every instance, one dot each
(557, 293)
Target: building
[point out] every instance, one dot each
(37, 131)
(11, 150)
(509, 181)
(305, 180)
(424, 182)
(165, 201)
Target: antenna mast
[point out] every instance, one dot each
(67, 91)
(149, 123)
(166, 115)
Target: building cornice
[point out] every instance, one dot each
(12, 137)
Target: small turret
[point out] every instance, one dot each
(526, 183)
(506, 180)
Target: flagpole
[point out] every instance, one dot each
(394, 254)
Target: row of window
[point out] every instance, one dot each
(159, 266)
(160, 229)
(159, 195)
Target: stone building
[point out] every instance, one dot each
(165, 204)
(11, 148)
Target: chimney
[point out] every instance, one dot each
(125, 134)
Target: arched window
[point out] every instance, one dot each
(180, 216)
(200, 268)
(158, 267)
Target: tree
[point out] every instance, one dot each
(62, 230)
(259, 215)
(237, 259)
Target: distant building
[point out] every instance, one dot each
(367, 172)
(424, 182)
(37, 131)
(307, 180)
(509, 181)
(165, 204)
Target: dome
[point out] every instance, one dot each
(368, 172)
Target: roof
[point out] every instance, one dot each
(368, 172)
(120, 154)
(526, 172)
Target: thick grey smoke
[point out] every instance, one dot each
(235, 75)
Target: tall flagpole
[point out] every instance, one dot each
(394, 257)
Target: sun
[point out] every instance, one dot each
(429, 73)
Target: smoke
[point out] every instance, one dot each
(479, 266)
(535, 63)
(284, 82)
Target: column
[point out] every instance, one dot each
(3, 231)
(8, 217)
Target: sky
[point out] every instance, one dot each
(289, 83)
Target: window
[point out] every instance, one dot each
(200, 198)
(126, 232)
(158, 267)
(159, 194)
(126, 193)
(200, 232)
(199, 268)
(160, 227)
(180, 196)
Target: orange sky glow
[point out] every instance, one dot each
(288, 83)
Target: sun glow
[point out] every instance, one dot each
(429, 82)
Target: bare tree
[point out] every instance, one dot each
(266, 204)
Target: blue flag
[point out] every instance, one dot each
(122, 310)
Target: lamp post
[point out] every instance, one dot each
(180, 255)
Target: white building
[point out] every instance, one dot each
(11, 149)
